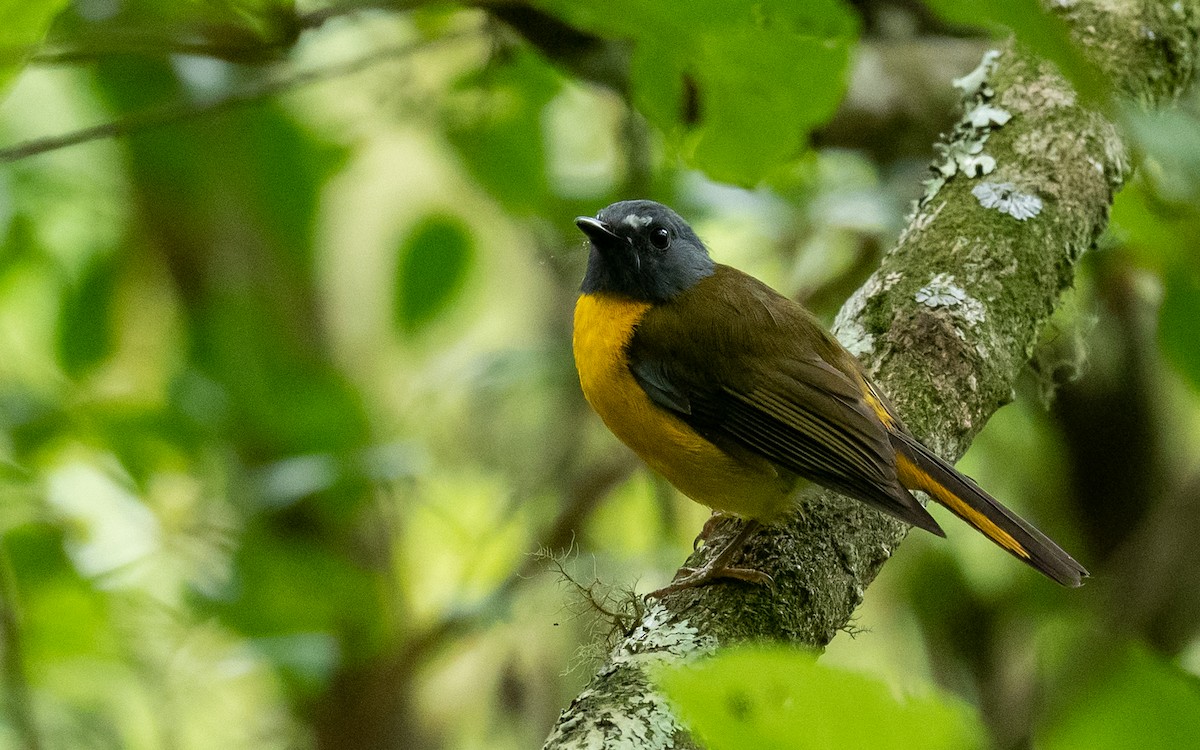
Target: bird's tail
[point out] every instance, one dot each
(920, 469)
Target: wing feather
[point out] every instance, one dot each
(760, 377)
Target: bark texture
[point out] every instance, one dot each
(945, 325)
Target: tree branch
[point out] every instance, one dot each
(945, 325)
(179, 111)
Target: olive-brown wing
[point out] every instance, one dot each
(747, 369)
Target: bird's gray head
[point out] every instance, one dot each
(642, 250)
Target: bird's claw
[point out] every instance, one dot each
(693, 577)
(709, 527)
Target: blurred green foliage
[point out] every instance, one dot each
(747, 698)
(287, 405)
(1136, 700)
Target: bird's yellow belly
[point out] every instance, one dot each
(604, 324)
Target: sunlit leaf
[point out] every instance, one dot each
(750, 123)
(737, 86)
(1158, 234)
(1044, 33)
(433, 264)
(1143, 702)
(753, 698)
(23, 24)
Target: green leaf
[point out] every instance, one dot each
(752, 124)
(1143, 702)
(1044, 33)
(1178, 318)
(764, 73)
(432, 267)
(23, 24)
(757, 697)
(85, 319)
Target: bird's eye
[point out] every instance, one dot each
(660, 238)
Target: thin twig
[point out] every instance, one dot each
(177, 111)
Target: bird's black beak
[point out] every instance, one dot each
(599, 233)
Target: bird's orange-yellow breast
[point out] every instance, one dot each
(604, 326)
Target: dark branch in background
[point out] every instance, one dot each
(179, 111)
(315, 19)
(585, 56)
(1157, 573)
(1142, 518)
(947, 366)
(1110, 418)
(221, 41)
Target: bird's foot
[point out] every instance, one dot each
(717, 567)
(709, 527)
(692, 577)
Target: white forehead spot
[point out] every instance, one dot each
(633, 221)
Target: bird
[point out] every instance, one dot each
(739, 397)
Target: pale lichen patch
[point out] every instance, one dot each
(962, 151)
(642, 719)
(920, 220)
(975, 81)
(977, 165)
(1007, 198)
(985, 115)
(660, 638)
(644, 722)
(854, 337)
(943, 292)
